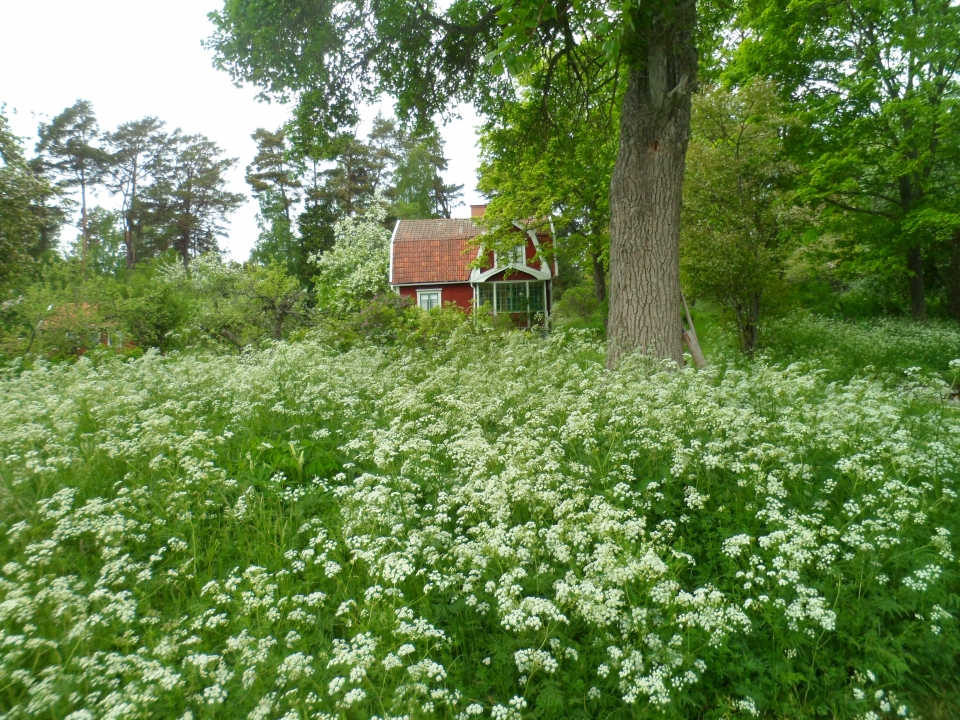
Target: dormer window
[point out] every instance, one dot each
(515, 256)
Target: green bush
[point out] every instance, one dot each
(846, 348)
(151, 316)
(496, 528)
(382, 320)
(579, 308)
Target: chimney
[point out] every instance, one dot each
(477, 210)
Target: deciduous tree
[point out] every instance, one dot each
(355, 269)
(877, 82)
(738, 205)
(548, 159)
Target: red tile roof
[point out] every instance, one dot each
(433, 251)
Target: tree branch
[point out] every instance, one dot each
(865, 211)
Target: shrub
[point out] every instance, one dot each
(845, 348)
(149, 316)
(579, 308)
(382, 320)
(434, 326)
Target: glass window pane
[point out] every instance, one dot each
(518, 297)
(503, 297)
(512, 297)
(536, 297)
(429, 300)
(484, 294)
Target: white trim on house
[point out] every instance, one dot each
(392, 238)
(432, 283)
(544, 273)
(544, 266)
(533, 272)
(475, 272)
(553, 236)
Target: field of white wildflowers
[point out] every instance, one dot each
(493, 528)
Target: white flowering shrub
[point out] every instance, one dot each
(355, 269)
(493, 528)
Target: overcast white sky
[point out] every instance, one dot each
(133, 58)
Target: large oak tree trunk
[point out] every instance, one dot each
(645, 191)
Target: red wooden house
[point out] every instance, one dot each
(430, 262)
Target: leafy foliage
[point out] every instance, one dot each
(877, 84)
(547, 157)
(135, 148)
(738, 210)
(189, 202)
(239, 306)
(68, 149)
(22, 193)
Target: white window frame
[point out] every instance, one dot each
(497, 287)
(429, 291)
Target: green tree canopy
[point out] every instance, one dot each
(69, 150)
(275, 180)
(134, 148)
(189, 200)
(547, 158)
(877, 84)
(22, 194)
(738, 205)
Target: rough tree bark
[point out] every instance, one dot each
(748, 318)
(84, 242)
(645, 191)
(183, 247)
(128, 231)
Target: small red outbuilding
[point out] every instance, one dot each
(430, 262)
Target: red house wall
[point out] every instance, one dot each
(531, 251)
(460, 293)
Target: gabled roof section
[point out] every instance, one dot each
(432, 251)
